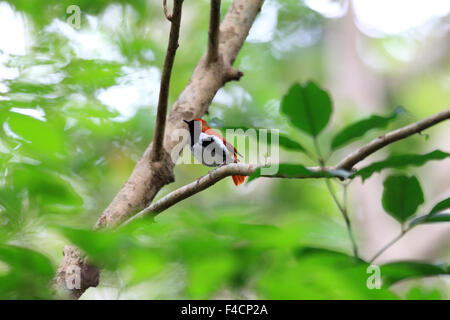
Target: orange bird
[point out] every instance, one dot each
(210, 148)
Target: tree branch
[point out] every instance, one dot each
(213, 34)
(348, 162)
(203, 183)
(222, 172)
(158, 138)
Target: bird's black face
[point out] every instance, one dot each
(190, 124)
(195, 128)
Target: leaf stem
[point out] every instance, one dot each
(342, 207)
(390, 244)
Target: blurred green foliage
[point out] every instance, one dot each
(65, 151)
(226, 252)
(28, 276)
(402, 195)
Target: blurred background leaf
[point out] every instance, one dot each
(77, 109)
(402, 195)
(28, 274)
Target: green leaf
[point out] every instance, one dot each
(91, 74)
(42, 137)
(402, 196)
(94, 110)
(45, 187)
(310, 274)
(46, 11)
(104, 248)
(423, 293)
(434, 215)
(438, 217)
(218, 269)
(360, 127)
(400, 161)
(27, 87)
(28, 276)
(397, 271)
(441, 206)
(285, 142)
(289, 170)
(145, 264)
(308, 107)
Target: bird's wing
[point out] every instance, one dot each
(229, 146)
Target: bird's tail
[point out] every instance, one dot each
(238, 179)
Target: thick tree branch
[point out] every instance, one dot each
(348, 162)
(149, 177)
(203, 183)
(220, 173)
(207, 181)
(213, 34)
(73, 264)
(158, 137)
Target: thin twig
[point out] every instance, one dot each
(161, 114)
(213, 34)
(342, 207)
(389, 244)
(166, 12)
(348, 223)
(360, 154)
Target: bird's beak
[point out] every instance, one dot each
(186, 121)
